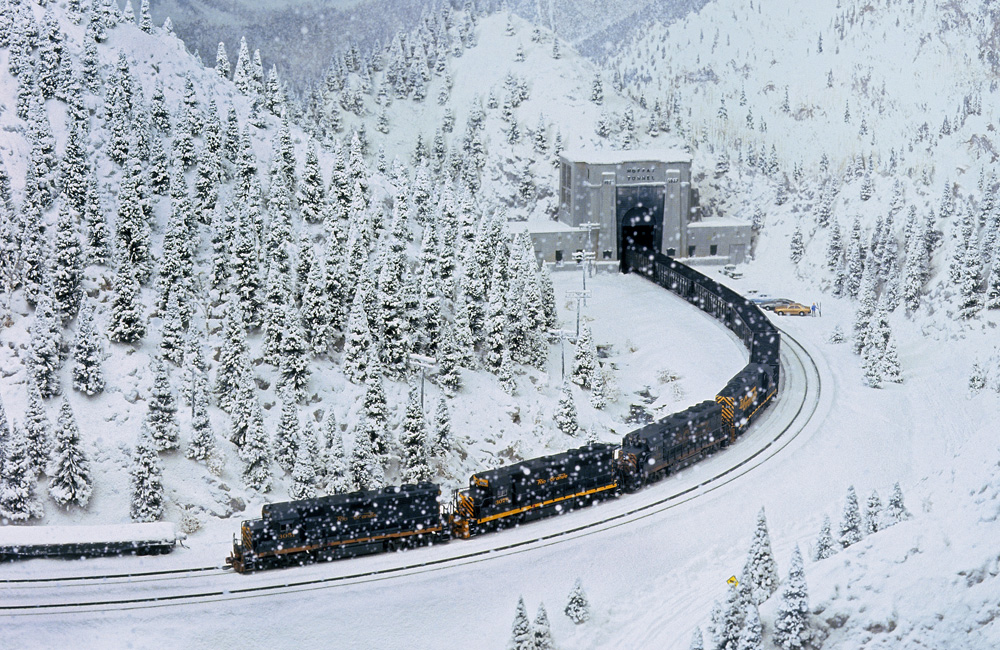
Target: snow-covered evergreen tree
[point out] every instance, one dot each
(144, 18)
(339, 479)
(289, 431)
(126, 324)
(791, 622)
(855, 260)
(37, 429)
(873, 514)
(584, 359)
(358, 342)
(233, 370)
(441, 440)
(162, 415)
(599, 389)
(256, 448)
(222, 65)
(375, 403)
(752, 634)
(303, 472)
(578, 607)
(867, 304)
(203, 444)
(970, 283)
(521, 635)
(542, 632)
(172, 331)
(146, 480)
(505, 374)
(727, 621)
(366, 469)
(992, 298)
(824, 543)
(566, 417)
(896, 510)
(294, 357)
(18, 499)
(311, 191)
(850, 525)
(762, 568)
(71, 481)
(697, 640)
(797, 247)
(98, 239)
(88, 355)
(44, 354)
(449, 358)
(414, 440)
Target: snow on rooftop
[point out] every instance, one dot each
(612, 157)
(540, 225)
(718, 222)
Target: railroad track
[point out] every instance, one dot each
(794, 410)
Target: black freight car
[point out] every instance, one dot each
(535, 488)
(343, 525)
(21, 542)
(656, 449)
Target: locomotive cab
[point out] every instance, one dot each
(630, 461)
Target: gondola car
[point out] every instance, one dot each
(535, 488)
(22, 542)
(656, 449)
(343, 525)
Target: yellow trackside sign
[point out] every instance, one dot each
(733, 582)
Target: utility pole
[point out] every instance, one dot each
(563, 335)
(580, 297)
(590, 254)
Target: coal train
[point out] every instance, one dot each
(360, 523)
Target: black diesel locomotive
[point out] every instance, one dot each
(372, 521)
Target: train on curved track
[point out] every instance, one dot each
(365, 522)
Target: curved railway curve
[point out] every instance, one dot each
(801, 400)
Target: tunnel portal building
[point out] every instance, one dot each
(613, 200)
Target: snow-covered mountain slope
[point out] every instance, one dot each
(509, 76)
(299, 37)
(597, 29)
(891, 67)
(489, 426)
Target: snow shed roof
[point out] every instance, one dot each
(610, 157)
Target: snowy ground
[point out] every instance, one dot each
(650, 580)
